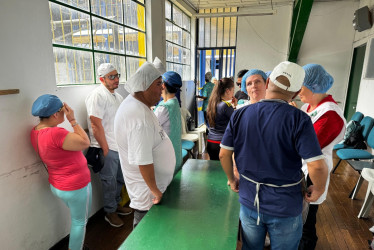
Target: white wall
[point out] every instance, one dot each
(365, 101)
(328, 41)
(31, 217)
(262, 41)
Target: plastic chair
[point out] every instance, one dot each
(367, 174)
(350, 153)
(199, 132)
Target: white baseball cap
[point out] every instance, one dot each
(294, 73)
(105, 68)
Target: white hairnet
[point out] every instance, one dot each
(105, 68)
(158, 64)
(142, 79)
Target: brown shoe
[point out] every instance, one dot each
(123, 210)
(113, 219)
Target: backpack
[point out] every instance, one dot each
(353, 136)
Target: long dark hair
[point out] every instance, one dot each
(215, 98)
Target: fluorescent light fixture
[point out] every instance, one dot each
(234, 14)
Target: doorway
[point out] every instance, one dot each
(219, 61)
(354, 81)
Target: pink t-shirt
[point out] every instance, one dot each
(67, 170)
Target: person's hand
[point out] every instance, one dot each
(105, 151)
(157, 197)
(69, 112)
(234, 185)
(293, 104)
(234, 101)
(313, 194)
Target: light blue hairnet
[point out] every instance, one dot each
(317, 79)
(251, 72)
(268, 73)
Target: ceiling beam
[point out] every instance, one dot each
(300, 17)
(234, 14)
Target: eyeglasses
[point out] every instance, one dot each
(112, 77)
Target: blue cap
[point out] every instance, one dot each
(251, 73)
(172, 79)
(317, 79)
(46, 105)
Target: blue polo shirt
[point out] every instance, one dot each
(270, 139)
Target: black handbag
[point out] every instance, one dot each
(95, 159)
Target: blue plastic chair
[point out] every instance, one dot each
(359, 154)
(355, 117)
(184, 153)
(188, 145)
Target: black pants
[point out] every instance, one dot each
(309, 238)
(138, 216)
(213, 150)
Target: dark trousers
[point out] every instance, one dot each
(138, 216)
(213, 150)
(309, 238)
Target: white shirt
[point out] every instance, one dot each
(141, 141)
(103, 104)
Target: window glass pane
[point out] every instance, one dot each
(169, 67)
(69, 27)
(177, 16)
(201, 32)
(220, 32)
(168, 10)
(177, 35)
(108, 36)
(186, 22)
(226, 32)
(109, 9)
(134, 14)
(141, 1)
(81, 4)
(73, 66)
(186, 56)
(177, 54)
(133, 64)
(186, 39)
(207, 32)
(118, 61)
(135, 42)
(169, 52)
(169, 31)
(233, 31)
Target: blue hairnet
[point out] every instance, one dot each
(250, 73)
(267, 73)
(172, 79)
(317, 79)
(46, 105)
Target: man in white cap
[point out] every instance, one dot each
(270, 138)
(146, 152)
(102, 104)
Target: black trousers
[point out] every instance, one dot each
(309, 238)
(213, 150)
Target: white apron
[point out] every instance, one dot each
(327, 151)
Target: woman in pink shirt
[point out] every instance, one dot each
(61, 152)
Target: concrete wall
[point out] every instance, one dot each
(328, 41)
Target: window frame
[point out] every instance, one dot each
(94, 50)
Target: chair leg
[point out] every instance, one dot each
(357, 188)
(191, 153)
(336, 166)
(367, 203)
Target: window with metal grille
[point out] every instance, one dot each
(178, 40)
(87, 33)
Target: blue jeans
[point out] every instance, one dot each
(111, 181)
(79, 204)
(284, 232)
